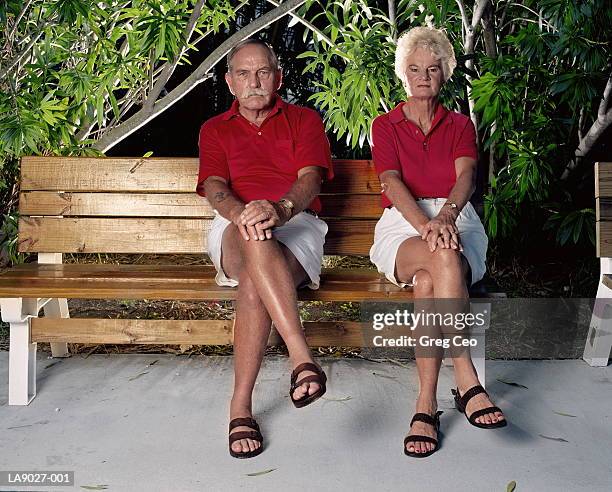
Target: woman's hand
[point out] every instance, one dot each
(441, 231)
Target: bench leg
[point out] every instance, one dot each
(599, 339)
(22, 353)
(55, 308)
(58, 308)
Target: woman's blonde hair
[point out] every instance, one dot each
(426, 37)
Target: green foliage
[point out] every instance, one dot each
(73, 69)
(552, 63)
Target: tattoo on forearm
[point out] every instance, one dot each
(220, 196)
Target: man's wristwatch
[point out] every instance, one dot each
(287, 205)
(453, 206)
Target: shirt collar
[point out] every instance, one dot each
(396, 115)
(279, 105)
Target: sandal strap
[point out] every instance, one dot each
(419, 438)
(428, 419)
(313, 378)
(469, 394)
(243, 422)
(304, 366)
(236, 436)
(479, 413)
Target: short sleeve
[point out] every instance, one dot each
(384, 150)
(213, 160)
(466, 143)
(312, 146)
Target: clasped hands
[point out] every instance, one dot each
(441, 231)
(257, 218)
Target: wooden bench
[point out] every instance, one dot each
(148, 205)
(599, 338)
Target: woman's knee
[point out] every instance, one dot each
(422, 284)
(447, 261)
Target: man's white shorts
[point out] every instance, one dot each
(304, 235)
(392, 230)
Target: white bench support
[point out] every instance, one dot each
(22, 354)
(599, 339)
(55, 308)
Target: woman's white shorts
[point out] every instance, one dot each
(304, 235)
(392, 230)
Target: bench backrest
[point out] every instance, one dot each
(149, 205)
(603, 208)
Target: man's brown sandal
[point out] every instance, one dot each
(461, 404)
(414, 438)
(237, 436)
(320, 378)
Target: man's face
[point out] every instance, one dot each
(252, 79)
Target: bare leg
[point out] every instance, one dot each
(428, 364)
(447, 270)
(251, 330)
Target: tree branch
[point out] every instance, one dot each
(170, 67)
(23, 52)
(200, 74)
(464, 18)
(603, 120)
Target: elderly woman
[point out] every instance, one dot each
(429, 235)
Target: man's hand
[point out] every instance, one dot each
(260, 216)
(441, 231)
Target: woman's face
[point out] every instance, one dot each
(423, 73)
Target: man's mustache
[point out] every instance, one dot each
(255, 92)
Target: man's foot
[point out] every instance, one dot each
(479, 402)
(307, 388)
(419, 428)
(248, 444)
(307, 384)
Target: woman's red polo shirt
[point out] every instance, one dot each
(262, 162)
(425, 162)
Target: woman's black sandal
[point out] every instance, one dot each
(428, 419)
(320, 378)
(252, 434)
(461, 404)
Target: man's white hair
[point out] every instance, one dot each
(426, 37)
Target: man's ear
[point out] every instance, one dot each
(280, 79)
(228, 81)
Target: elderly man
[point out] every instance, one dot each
(261, 167)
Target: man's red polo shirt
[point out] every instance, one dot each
(425, 162)
(261, 162)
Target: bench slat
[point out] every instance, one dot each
(194, 332)
(169, 205)
(148, 235)
(603, 180)
(146, 273)
(158, 175)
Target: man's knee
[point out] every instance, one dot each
(247, 291)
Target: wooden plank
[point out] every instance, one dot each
(149, 235)
(604, 239)
(114, 204)
(158, 174)
(162, 175)
(176, 332)
(68, 235)
(353, 176)
(200, 274)
(132, 331)
(169, 205)
(187, 290)
(603, 180)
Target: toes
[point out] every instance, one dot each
(500, 416)
(312, 388)
(236, 447)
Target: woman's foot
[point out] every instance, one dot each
(243, 445)
(418, 428)
(307, 383)
(479, 402)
